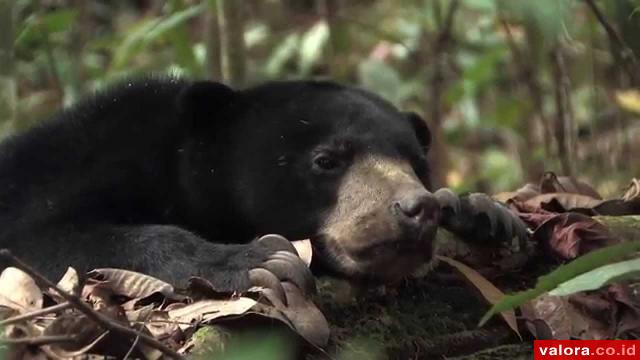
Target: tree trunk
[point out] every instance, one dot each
(8, 88)
(564, 129)
(338, 39)
(81, 30)
(213, 63)
(437, 84)
(525, 68)
(233, 42)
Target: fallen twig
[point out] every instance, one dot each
(83, 307)
(137, 339)
(38, 340)
(34, 314)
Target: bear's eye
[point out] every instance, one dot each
(325, 162)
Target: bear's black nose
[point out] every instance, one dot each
(416, 206)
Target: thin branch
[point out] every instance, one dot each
(234, 47)
(630, 62)
(137, 339)
(34, 314)
(436, 85)
(526, 72)
(213, 68)
(53, 65)
(59, 353)
(445, 30)
(131, 348)
(39, 340)
(563, 119)
(83, 307)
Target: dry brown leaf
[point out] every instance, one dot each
(628, 301)
(19, 291)
(633, 191)
(551, 183)
(133, 284)
(523, 194)
(561, 202)
(490, 292)
(57, 352)
(161, 326)
(304, 249)
(596, 314)
(139, 315)
(207, 310)
(569, 235)
(70, 282)
(547, 317)
(20, 351)
(89, 335)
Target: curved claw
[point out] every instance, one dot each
(274, 298)
(473, 214)
(448, 200)
(286, 266)
(266, 279)
(520, 230)
(504, 221)
(277, 243)
(483, 204)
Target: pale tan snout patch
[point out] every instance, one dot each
(361, 230)
(393, 171)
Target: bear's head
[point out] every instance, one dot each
(316, 160)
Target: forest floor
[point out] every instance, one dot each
(425, 318)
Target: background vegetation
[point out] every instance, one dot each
(510, 88)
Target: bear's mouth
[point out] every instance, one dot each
(375, 260)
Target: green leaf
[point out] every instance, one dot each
(284, 52)
(133, 43)
(173, 21)
(564, 273)
(311, 46)
(256, 35)
(36, 27)
(547, 16)
(508, 112)
(498, 166)
(599, 277)
(179, 37)
(482, 5)
(59, 20)
(380, 78)
(483, 70)
(147, 31)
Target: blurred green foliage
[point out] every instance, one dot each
(494, 69)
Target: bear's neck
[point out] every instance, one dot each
(203, 195)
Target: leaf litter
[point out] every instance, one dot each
(39, 323)
(562, 214)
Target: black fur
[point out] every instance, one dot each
(174, 179)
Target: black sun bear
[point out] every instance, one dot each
(176, 178)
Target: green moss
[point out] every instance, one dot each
(208, 340)
(401, 319)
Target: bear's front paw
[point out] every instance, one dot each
(281, 263)
(478, 217)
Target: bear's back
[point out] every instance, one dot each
(119, 128)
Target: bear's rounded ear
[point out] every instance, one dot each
(421, 128)
(203, 103)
